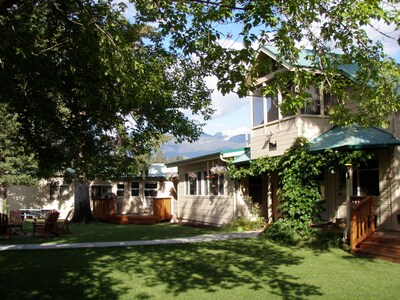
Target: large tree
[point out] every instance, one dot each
(328, 28)
(92, 90)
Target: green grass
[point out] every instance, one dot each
(103, 232)
(235, 269)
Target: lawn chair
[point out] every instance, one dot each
(4, 228)
(15, 219)
(49, 226)
(62, 226)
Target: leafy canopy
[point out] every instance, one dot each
(90, 89)
(197, 27)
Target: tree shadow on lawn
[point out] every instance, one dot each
(150, 272)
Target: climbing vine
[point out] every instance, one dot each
(299, 173)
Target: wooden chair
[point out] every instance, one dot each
(4, 228)
(62, 226)
(48, 227)
(15, 220)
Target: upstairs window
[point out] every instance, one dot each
(272, 108)
(258, 108)
(313, 105)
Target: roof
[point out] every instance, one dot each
(160, 170)
(353, 137)
(304, 61)
(193, 160)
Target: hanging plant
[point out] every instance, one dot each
(172, 176)
(192, 175)
(218, 170)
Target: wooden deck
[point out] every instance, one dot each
(134, 219)
(382, 244)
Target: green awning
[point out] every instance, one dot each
(353, 137)
(241, 159)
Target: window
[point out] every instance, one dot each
(101, 191)
(329, 101)
(216, 185)
(272, 108)
(258, 108)
(120, 190)
(135, 188)
(54, 190)
(193, 183)
(313, 105)
(150, 188)
(366, 180)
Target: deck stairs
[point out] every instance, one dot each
(382, 245)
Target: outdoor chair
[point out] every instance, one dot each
(62, 226)
(15, 220)
(4, 228)
(49, 226)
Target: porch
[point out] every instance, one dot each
(366, 240)
(104, 209)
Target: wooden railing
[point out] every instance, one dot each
(362, 222)
(103, 207)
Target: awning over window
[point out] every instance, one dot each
(353, 137)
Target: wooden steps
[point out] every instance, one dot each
(382, 245)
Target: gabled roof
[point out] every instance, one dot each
(353, 137)
(304, 61)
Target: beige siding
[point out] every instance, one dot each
(284, 133)
(39, 197)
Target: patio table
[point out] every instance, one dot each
(35, 213)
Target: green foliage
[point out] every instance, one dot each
(299, 174)
(244, 224)
(17, 164)
(92, 90)
(201, 28)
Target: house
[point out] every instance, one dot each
(205, 194)
(132, 196)
(272, 133)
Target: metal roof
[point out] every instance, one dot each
(304, 61)
(353, 137)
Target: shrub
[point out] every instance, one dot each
(245, 224)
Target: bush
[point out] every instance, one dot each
(289, 232)
(244, 224)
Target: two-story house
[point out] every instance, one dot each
(272, 133)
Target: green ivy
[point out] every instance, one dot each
(299, 171)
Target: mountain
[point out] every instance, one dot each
(205, 145)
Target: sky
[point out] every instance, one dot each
(232, 115)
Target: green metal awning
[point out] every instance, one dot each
(353, 137)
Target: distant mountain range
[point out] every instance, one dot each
(206, 144)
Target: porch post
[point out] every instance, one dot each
(349, 189)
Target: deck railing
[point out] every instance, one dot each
(362, 222)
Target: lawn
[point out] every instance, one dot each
(103, 232)
(235, 269)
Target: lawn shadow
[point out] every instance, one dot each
(151, 272)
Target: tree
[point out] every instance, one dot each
(329, 27)
(91, 90)
(17, 164)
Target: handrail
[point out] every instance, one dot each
(103, 207)
(362, 222)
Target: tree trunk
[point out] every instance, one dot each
(82, 213)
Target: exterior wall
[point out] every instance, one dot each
(128, 204)
(208, 209)
(39, 197)
(284, 132)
